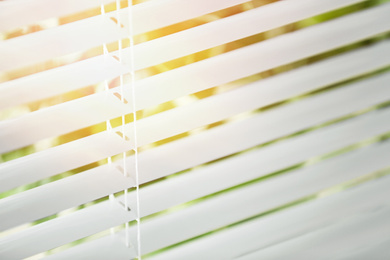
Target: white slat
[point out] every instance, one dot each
(105, 248)
(109, 248)
(93, 148)
(59, 80)
(43, 45)
(13, 14)
(289, 223)
(91, 32)
(18, 13)
(217, 211)
(230, 29)
(296, 116)
(156, 14)
(60, 119)
(190, 151)
(98, 217)
(219, 176)
(37, 166)
(333, 242)
(212, 178)
(65, 193)
(91, 71)
(379, 250)
(222, 69)
(245, 61)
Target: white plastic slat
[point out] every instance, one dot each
(189, 152)
(251, 200)
(90, 32)
(59, 159)
(65, 193)
(93, 148)
(99, 215)
(227, 67)
(109, 248)
(73, 76)
(333, 242)
(217, 211)
(156, 14)
(289, 223)
(223, 175)
(245, 61)
(212, 178)
(148, 16)
(60, 119)
(59, 80)
(378, 250)
(156, 163)
(230, 29)
(43, 45)
(25, 12)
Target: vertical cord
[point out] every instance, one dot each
(118, 18)
(132, 85)
(109, 127)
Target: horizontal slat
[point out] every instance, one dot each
(245, 134)
(53, 197)
(109, 248)
(335, 241)
(154, 14)
(255, 164)
(229, 207)
(290, 223)
(91, 32)
(245, 61)
(230, 29)
(52, 161)
(190, 152)
(79, 74)
(58, 159)
(248, 201)
(214, 71)
(164, 12)
(59, 80)
(379, 250)
(60, 119)
(99, 215)
(212, 178)
(43, 45)
(25, 12)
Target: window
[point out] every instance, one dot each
(194, 129)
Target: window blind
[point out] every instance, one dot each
(183, 129)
